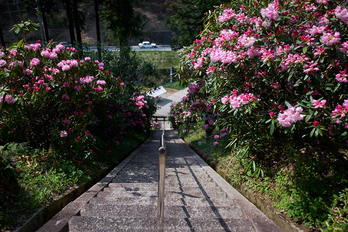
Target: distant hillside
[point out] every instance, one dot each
(12, 12)
(156, 13)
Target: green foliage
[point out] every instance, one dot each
(137, 70)
(25, 28)
(174, 85)
(187, 20)
(338, 217)
(120, 18)
(310, 190)
(161, 59)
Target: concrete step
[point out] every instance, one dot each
(168, 201)
(116, 187)
(147, 211)
(195, 193)
(131, 224)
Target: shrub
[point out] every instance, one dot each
(51, 98)
(275, 73)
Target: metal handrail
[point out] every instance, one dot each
(161, 119)
(161, 179)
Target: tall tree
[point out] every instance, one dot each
(187, 20)
(121, 20)
(2, 37)
(1, 34)
(96, 9)
(68, 9)
(43, 8)
(78, 27)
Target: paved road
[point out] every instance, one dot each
(168, 99)
(134, 48)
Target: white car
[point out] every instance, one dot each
(147, 44)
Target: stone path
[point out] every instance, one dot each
(197, 198)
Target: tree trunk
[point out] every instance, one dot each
(2, 37)
(70, 21)
(98, 28)
(77, 28)
(45, 25)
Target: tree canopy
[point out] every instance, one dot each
(121, 20)
(187, 20)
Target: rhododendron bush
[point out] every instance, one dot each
(51, 98)
(266, 71)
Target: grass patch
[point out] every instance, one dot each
(31, 178)
(175, 85)
(162, 59)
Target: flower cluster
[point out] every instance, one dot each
(290, 116)
(53, 98)
(260, 58)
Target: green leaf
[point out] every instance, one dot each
(272, 128)
(320, 132)
(308, 117)
(305, 49)
(17, 30)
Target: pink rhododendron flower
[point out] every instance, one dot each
(311, 68)
(65, 67)
(98, 89)
(87, 79)
(215, 143)
(2, 63)
(77, 87)
(330, 39)
(318, 104)
(290, 116)
(8, 99)
(227, 15)
(323, 1)
(316, 30)
(246, 41)
(342, 14)
(340, 110)
(267, 55)
(52, 55)
(63, 134)
(206, 126)
(34, 62)
(210, 70)
(225, 99)
(101, 82)
(319, 51)
(216, 136)
(271, 12)
(342, 76)
(27, 71)
(315, 123)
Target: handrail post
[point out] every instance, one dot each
(161, 184)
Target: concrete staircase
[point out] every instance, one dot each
(194, 201)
